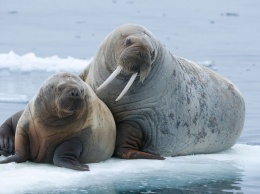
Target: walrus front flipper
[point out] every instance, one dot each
(67, 154)
(129, 141)
(135, 154)
(7, 131)
(18, 158)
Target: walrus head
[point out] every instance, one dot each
(133, 55)
(63, 95)
(136, 57)
(69, 100)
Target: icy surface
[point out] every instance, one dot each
(236, 166)
(29, 62)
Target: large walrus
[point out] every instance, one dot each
(65, 123)
(171, 106)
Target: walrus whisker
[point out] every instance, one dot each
(110, 78)
(128, 85)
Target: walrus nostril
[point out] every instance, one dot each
(74, 93)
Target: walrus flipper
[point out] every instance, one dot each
(135, 154)
(129, 143)
(67, 154)
(18, 158)
(21, 148)
(7, 131)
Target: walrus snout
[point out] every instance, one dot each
(70, 101)
(75, 93)
(135, 60)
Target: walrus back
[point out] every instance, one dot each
(205, 112)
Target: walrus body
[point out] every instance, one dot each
(175, 108)
(65, 123)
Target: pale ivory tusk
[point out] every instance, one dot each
(128, 85)
(110, 78)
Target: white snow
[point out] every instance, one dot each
(30, 62)
(239, 162)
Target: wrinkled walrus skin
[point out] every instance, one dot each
(65, 123)
(174, 107)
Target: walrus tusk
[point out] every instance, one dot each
(110, 78)
(128, 85)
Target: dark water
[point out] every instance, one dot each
(225, 178)
(209, 186)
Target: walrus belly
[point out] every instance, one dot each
(198, 112)
(202, 115)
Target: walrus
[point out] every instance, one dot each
(163, 105)
(65, 123)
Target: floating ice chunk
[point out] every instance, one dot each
(30, 62)
(209, 64)
(235, 167)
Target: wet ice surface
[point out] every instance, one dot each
(229, 171)
(45, 34)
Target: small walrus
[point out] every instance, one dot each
(170, 106)
(65, 123)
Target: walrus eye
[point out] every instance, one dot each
(152, 55)
(59, 89)
(82, 91)
(128, 42)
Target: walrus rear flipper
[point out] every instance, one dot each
(135, 154)
(67, 154)
(129, 139)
